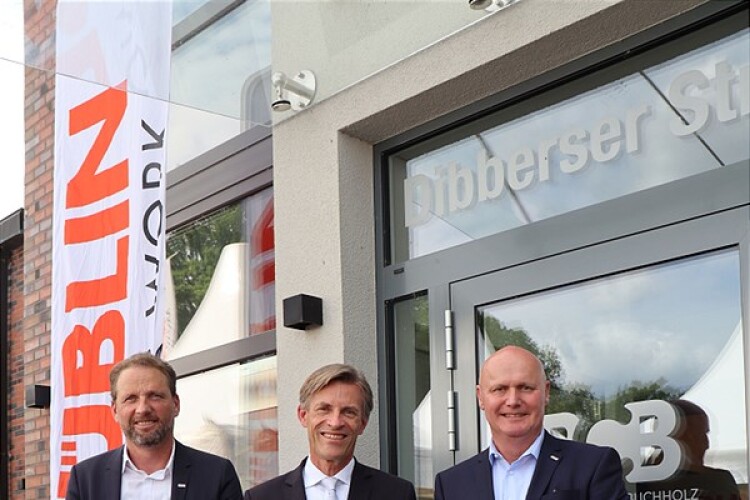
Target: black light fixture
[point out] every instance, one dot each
(37, 396)
(303, 311)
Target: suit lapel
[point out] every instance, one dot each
(295, 486)
(550, 456)
(180, 472)
(113, 474)
(359, 488)
(483, 476)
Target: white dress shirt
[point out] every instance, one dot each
(137, 485)
(511, 481)
(314, 488)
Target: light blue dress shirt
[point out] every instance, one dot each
(511, 481)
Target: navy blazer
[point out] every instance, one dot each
(196, 475)
(367, 484)
(566, 470)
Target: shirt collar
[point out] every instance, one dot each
(128, 463)
(533, 450)
(312, 475)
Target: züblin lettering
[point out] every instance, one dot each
(455, 187)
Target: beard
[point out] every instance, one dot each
(157, 436)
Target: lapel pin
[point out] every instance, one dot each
(554, 457)
(181, 485)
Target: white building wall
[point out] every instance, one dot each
(323, 163)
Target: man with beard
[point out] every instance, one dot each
(151, 465)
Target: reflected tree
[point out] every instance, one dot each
(194, 252)
(576, 398)
(639, 391)
(573, 398)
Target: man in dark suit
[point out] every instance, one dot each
(152, 464)
(523, 460)
(334, 406)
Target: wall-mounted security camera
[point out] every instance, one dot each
(292, 93)
(491, 5)
(479, 4)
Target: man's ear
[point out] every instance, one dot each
(479, 398)
(364, 426)
(302, 415)
(176, 399)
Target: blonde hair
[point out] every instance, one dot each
(337, 372)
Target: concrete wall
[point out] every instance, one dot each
(343, 42)
(323, 169)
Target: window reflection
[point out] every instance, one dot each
(239, 422)
(210, 74)
(221, 278)
(208, 71)
(617, 349)
(414, 404)
(182, 9)
(671, 121)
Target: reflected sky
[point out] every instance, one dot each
(210, 70)
(181, 9)
(212, 75)
(11, 104)
(669, 322)
(646, 140)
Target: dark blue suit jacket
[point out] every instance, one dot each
(196, 476)
(367, 484)
(566, 470)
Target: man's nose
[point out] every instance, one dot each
(334, 419)
(142, 406)
(512, 398)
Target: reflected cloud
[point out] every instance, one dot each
(209, 71)
(667, 322)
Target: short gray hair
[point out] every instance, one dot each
(337, 372)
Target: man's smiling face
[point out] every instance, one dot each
(144, 406)
(513, 392)
(334, 418)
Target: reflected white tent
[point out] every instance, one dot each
(721, 393)
(220, 318)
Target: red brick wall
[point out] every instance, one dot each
(39, 20)
(15, 374)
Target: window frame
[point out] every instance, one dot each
(11, 237)
(236, 169)
(400, 279)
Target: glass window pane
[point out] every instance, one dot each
(617, 349)
(220, 82)
(182, 9)
(601, 137)
(222, 277)
(413, 393)
(239, 422)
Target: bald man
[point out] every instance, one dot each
(523, 460)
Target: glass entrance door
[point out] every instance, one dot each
(643, 343)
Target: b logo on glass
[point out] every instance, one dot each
(664, 445)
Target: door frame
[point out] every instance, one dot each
(722, 230)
